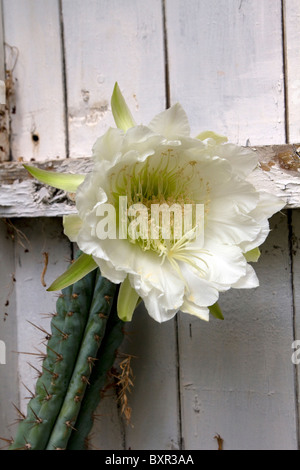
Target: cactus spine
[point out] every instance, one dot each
(82, 342)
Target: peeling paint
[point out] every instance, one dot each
(88, 116)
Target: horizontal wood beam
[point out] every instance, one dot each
(23, 196)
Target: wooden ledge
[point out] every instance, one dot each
(23, 196)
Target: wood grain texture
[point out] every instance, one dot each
(295, 252)
(4, 108)
(108, 41)
(23, 196)
(237, 378)
(32, 28)
(9, 389)
(33, 302)
(154, 398)
(292, 50)
(226, 67)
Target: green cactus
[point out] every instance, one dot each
(113, 338)
(85, 333)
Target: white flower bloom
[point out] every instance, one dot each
(160, 163)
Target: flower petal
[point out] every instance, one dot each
(242, 159)
(225, 264)
(65, 181)
(216, 311)
(216, 138)
(122, 115)
(171, 123)
(253, 255)
(193, 309)
(109, 146)
(156, 309)
(248, 281)
(127, 301)
(82, 266)
(72, 224)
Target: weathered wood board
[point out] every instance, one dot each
(23, 196)
(33, 29)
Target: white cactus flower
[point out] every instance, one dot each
(161, 164)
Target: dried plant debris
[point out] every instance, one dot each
(124, 382)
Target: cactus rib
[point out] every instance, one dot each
(106, 355)
(95, 327)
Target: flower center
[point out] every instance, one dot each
(160, 207)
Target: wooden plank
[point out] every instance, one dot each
(123, 41)
(292, 50)
(237, 376)
(22, 196)
(116, 41)
(4, 102)
(154, 422)
(225, 60)
(295, 244)
(9, 392)
(33, 302)
(32, 29)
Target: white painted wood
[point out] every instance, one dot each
(4, 105)
(32, 27)
(108, 430)
(9, 389)
(295, 239)
(292, 48)
(21, 195)
(226, 67)
(155, 418)
(110, 41)
(225, 60)
(237, 377)
(33, 302)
